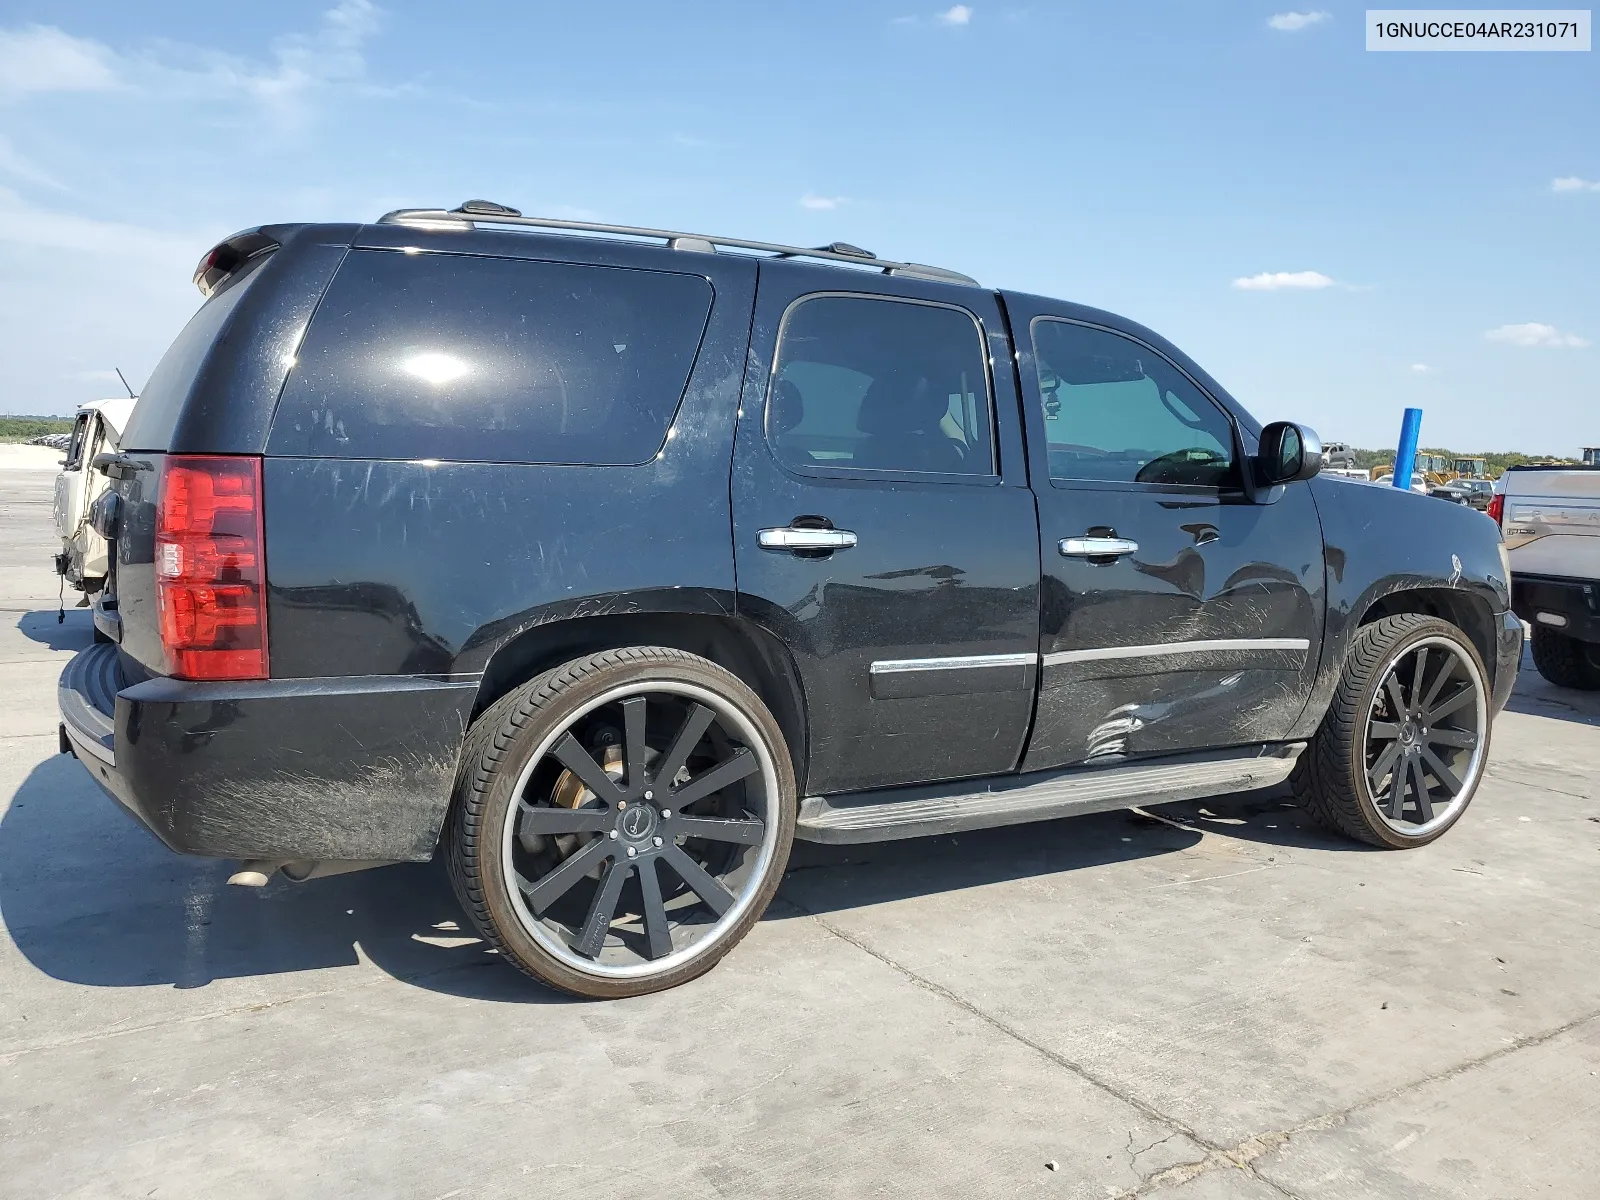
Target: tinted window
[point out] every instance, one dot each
(75, 446)
(492, 360)
(162, 400)
(1116, 410)
(883, 385)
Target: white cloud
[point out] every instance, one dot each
(1571, 183)
(1293, 22)
(957, 16)
(31, 227)
(1535, 334)
(1421, 369)
(45, 59)
(821, 203)
(1272, 281)
(18, 166)
(41, 58)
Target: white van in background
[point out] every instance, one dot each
(97, 430)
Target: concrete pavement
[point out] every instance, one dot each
(1214, 1001)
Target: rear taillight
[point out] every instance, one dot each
(1497, 508)
(210, 583)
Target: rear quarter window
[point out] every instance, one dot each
(468, 359)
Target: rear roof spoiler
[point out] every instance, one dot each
(228, 255)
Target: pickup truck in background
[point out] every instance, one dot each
(1550, 520)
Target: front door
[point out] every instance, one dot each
(1181, 611)
(883, 526)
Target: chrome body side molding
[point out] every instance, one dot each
(909, 678)
(892, 666)
(1214, 645)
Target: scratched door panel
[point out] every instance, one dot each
(1233, 590)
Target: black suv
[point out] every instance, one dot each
(611, 560)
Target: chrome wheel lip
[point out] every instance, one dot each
(548, 939)
(1469, 779)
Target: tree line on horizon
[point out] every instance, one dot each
(1495, 461)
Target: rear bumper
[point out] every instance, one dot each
(1574, 604)
(1508, 658)
(358, 768)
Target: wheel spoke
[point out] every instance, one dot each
(1418, 674)
(547, 890)
(716, 897)
(1441, 772)
(694, 728)
(657, 929)
(1397, 791)
(541, 819)
(602, 909)
(1420, 786)
(581, 763)
(1446, 670)
(633, 710)
(1467, 694)
(1462, 738)
(719, 829)
(1385, 761)
(1397, 701)
(1383, 730)
(720, 776)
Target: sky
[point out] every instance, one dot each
(1333, 234)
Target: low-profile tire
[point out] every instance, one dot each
(620, 822)
(1402, 747)
(1565, 661)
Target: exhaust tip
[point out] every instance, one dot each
(253, 874)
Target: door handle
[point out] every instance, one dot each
(792, 539)
(1097, 547)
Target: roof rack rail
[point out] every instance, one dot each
(484, 212)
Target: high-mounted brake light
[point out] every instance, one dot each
(1497, 508)
(226, 257)
(210, 581)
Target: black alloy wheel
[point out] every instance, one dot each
(1402, 747)
(635, 827)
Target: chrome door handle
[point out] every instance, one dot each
(789, 538)
(1097, 547)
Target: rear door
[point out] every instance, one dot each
(1178, 613)
(883, 526)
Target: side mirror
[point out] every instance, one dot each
(1289, 453)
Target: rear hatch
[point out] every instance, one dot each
(186, 591)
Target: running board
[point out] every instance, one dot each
(905, 812)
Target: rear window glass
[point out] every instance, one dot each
(161, 402)
(865, 383)
(471, 359)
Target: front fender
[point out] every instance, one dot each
(1382, 543)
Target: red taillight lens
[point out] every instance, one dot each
(1497, 508)
(210, 585)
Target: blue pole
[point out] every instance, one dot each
(1405, 459)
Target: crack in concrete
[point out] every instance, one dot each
(1241, 1156)
(1067, 1064)
(1133, 1154)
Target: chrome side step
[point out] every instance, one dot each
(891, 813)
